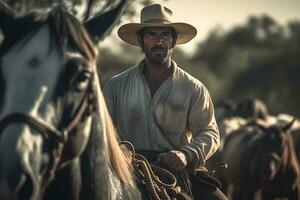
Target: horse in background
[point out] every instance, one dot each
(231, 117)
(56, 137)
(249, 108)
(262, 159)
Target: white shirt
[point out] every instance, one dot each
(179, 116)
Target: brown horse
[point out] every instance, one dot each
(264, 159)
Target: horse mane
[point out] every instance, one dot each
(119, 158)
(69, 31)
(80, 38)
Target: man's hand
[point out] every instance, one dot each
(174, 159)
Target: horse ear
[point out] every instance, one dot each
(102, 24)
(7, 18)
(289, 125)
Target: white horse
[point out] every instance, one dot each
(56, 137)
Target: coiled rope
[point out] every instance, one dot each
(149, 174)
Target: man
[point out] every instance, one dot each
(157, 106)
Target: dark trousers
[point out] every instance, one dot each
(205, 187)
(201, 185)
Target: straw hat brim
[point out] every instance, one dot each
(128, 32)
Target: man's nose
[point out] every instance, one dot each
(160, 41)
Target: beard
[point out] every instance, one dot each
(157, 55)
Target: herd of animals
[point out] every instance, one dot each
(262, 152)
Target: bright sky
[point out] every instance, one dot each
(208, 14)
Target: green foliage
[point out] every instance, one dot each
(256, 59)
(112, 63)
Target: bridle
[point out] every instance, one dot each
(280, 157)
(59, 136)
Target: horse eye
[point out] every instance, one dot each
(83, 76)
(81, 80)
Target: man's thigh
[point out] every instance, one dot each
(205, 190)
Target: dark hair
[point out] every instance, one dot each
(140, 34)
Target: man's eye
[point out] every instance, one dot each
(167, 35)
(150, 34)
(82, 80)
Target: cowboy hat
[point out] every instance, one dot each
(156, 15)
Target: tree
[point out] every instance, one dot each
(255, 59)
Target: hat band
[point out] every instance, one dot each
(157, 21)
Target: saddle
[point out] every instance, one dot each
(159, 183)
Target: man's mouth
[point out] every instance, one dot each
(160, 50)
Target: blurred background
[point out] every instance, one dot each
(243, 49)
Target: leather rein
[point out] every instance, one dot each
(59, 136)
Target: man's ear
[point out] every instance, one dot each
(140, 40)
(174, 40)
(173, 43)
(174, 37)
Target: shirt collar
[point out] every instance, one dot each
(141, 66)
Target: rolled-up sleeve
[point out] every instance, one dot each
(202, 124)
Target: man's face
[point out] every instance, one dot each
(158, 44)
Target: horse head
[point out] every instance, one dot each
(276, 149)
(50, 94)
